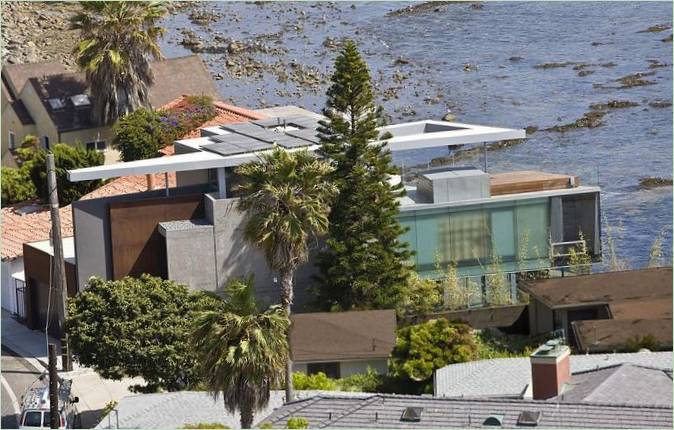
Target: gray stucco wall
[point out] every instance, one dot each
(190, 254)
(236, 257)
(348, 368)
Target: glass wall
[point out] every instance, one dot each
(473, 236)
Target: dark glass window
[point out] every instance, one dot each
(32, 419)
(330, 369)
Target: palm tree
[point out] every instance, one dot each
(118, 41)
(242, 351)
(287, 196)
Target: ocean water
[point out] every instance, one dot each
(478, 61)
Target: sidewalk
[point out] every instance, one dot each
(94, 392)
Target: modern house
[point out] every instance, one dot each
(603, 312)
(617, 396)
(47, 101)
(193, 233)
(341, 344)
(27, 227)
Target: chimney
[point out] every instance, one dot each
(549, 369)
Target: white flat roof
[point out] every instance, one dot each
(406, 136)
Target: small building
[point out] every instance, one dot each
(341, 344)
(47, 101)
(604, 311)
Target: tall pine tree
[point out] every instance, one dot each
(363, 265)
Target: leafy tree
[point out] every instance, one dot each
(364, 264)
(137, 327)
(420, 297)
(287, 196)
(118, 41)
(66, 157)
(138, 135)
(422, 348)
(242, 351)
(16, 186)
(318, 381)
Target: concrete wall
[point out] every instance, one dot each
(190, 256)
(236, 257)
(45, 126)
(11, 122)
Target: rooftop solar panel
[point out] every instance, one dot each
(308, 135)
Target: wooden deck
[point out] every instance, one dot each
(528, 181)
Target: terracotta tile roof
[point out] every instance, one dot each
(25, 223)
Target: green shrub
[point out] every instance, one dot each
(138, 135)
(266, 425)
(422, 348)
(369, 382)
(298, 423)
(205, 426)
(16, 186)
(318, 381)
(66, 157)
(640, 342)
(421, 297)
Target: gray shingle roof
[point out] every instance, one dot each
(384, 411)
(623, 383)
(511, 376)
(174, 410)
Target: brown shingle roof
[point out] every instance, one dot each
(177, 76)
(613, 335)
(601, 288)
(172, 78)
(338, 336)
(17, 75)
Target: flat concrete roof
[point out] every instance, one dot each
(413, 135)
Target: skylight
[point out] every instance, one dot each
(80, 100)
(412, 414)
(56, 103)
(529, 418)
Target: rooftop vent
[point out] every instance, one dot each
(529, 418)
(412, 414)
(493, 421)
(80, 100)
(56, 103)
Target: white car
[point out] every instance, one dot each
(35, 411)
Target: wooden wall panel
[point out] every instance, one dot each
(137, 245)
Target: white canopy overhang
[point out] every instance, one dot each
(407, 136)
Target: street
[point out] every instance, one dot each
(17, 376)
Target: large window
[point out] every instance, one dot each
(471, 236)
(331, 370)
(12, 140)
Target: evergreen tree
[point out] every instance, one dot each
(363, 265)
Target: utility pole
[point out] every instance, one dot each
(54, 418)
(59, 276)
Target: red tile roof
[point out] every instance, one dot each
(18, 229)
(25, 223)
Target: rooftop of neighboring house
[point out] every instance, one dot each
(614, 334)
(28, 222)
(15, 76)
(176, 409)
(340, 336)
(511, 377)
(398, 411)
(64, 96)
(624, 291)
